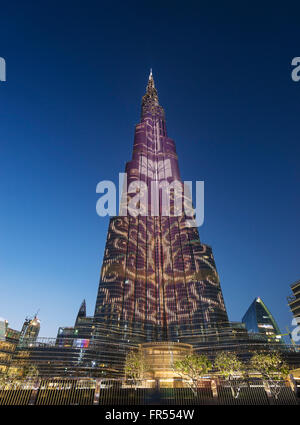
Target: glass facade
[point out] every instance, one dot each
(158, 280)
(9, 339)
(258, 319)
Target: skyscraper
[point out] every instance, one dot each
(294, 300)
(157, 280)
(81, 331)
(258, 319)
(30, 330)
(159, 286)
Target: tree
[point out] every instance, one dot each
(272, 368)
(8, 380)
(135, 367)
(192, 367)
(3, 380)
(230, 366)
(30, 372)
(16, 377)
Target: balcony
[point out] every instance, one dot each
(291, 299)
(295, 284)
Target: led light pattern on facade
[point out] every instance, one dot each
(157, 276)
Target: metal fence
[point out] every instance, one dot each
(15, 397)
(53, 392)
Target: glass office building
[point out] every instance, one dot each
(259, 320)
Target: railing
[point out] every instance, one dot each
(103, 392)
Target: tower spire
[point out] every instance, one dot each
(150, 102)
(151, 90)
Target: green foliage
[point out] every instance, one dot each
(15, 378)
(3, 379)
(135, 366)
(30, 372)
(8, 380)
(228, 364)
(193, 366)
(272, 368)
(269, 365)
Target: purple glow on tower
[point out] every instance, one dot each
(157, 277)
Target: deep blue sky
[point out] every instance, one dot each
(76, 72)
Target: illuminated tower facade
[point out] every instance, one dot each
(158, 280)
